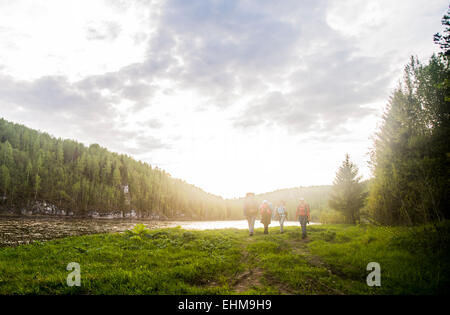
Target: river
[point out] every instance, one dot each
(16, 230)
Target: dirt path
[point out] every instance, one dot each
(254, 277)
(300, 248)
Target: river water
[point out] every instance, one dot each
(16, 230)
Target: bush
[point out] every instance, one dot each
(331, 217)
(140, 230)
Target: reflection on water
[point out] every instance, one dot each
(16, 230)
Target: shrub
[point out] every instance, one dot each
(331, 217)
(140, 230)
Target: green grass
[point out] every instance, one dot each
(174, 261)
(412, 260)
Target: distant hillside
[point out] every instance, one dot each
(36, 167)
(47, 175)
(316, 196)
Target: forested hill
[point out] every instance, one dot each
(316, 196)
(35, 166)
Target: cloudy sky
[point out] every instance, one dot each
(232, 96)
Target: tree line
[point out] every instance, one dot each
(316, 196)
(37, 167)
(410, 157)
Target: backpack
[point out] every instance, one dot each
(265, 210)
(281, 211)
(250, 207)
(301, 210)
(253, 210)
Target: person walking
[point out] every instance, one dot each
(281, 213)
(303, 216)
(266, 215)
(250, 211)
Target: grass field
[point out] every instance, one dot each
(332, 260)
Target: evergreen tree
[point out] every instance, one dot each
(4, 179)
(443, 40)
(348, 194)
(410, 158)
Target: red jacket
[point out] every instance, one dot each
(303, 210)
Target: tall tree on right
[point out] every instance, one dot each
(443, 40)
(411, 154)
(348, 194)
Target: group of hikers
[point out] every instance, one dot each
(266, 211)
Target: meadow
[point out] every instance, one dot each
(332, 260)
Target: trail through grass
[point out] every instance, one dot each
(332, 260)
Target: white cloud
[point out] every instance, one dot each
(55, 37)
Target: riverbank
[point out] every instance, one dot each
(16, 230)
(332, 260)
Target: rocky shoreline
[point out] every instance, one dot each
(43, 208)
(26, 229)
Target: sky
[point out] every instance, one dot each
(231, 96)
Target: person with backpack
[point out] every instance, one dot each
(250, 211)
(266, 215)
(281, 214)
(303, 216)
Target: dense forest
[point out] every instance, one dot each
(410, 157)
(411, 153)
(36, 167)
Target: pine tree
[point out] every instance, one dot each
(37, 185)
(348, 195)
(443, 40)
(7, 155)
(4, 179)
(410, 160)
